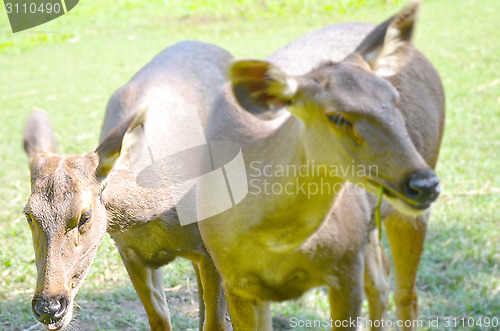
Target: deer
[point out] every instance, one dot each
(76, 199)
(349, 95)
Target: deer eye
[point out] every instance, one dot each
(85, 217)
(28, 218)
(338, 120)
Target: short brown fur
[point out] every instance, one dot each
(379, 103)
(76, 199)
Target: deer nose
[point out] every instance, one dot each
(422, 186)
(49, 310)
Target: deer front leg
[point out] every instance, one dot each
(246, 314)
(201, 302)
(346, 294)
(149, 285)
(377, 270)
(212, 295)
(406, 235)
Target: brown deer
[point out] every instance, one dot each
(75, 199)
(337, 99)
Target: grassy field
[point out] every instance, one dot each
(70, 67)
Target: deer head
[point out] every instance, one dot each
(350, 112)
(65, 214)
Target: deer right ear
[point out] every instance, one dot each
(110, 148)
(261, 88)
(387, 48)
(38, 135)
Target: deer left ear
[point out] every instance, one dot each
(110, 148)
(261, 88)
(387, 48)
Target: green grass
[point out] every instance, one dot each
(71, 66)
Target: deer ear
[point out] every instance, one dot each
(387, 48)
(261, 88)
(110, 148)
(38, 135)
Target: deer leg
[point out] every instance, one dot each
(406, 235)
(212, 295)
(377, 270)
(346, 295)
(247, 314)
(149, 285)
(201, 302)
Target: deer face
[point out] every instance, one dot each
(66, 216)
(67, 222)
(350, 114)
(356, 112)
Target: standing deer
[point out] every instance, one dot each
(339, 97)
(75, 199)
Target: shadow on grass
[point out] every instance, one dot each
(116, 310)
(458, 277)
(459, 274)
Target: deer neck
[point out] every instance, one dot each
(288, 188)
(128, 204)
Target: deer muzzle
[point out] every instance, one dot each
(50, 310)
(422, 187)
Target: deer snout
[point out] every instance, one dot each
(422, 186)
(49, 310)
